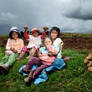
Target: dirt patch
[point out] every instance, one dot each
(74, 43)
(77, 43)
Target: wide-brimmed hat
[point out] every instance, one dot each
(15, 29)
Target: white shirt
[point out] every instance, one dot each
(34, 41)
(58, 42)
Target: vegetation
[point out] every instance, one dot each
(73, 78)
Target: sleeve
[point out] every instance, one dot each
(43, 35)
(26, 35)
(58, 42)
(41, 50)
(21, 46)
(8, 45)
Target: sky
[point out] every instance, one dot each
(69, 15)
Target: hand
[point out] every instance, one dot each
(45, 28)
(50, 54)
(12, 49)
(15, 51)
(48, 46)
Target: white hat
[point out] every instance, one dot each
(14, 29)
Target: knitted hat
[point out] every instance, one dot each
(15, 29)
(35, 30)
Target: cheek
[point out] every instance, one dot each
(16, 36)
(56, 35)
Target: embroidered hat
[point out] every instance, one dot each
(35, 30)
(14, 29)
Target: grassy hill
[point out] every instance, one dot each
(73, 78)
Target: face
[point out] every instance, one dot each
(47, 42)
(14, 35)
(54, 34)
(35, 34)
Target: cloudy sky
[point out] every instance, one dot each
(69, 15)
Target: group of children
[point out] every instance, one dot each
(42, 49)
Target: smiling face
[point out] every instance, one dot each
(47, 41)
(54, 34)
(35, 34)
(14, 35)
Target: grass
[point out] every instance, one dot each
(68, 35)
(73, 78)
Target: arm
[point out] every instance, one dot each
(8, 45)
(21, 46)
(43, 35)
(52, 50)
(26, 35)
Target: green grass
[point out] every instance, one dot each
(3, 35)
(69, 35)
(73, 78)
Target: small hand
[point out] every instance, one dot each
(15, 51)
(50, 54)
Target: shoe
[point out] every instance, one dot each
(4, 69)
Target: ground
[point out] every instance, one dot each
(71, 41)
(73, 78)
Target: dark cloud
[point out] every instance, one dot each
(79, 9)
(69, 15)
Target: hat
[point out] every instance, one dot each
(15, 29)
(35, 30)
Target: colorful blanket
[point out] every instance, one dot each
(57, 64)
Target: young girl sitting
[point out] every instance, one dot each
(34, 43)
(46, 57)
(55, 35)
(13, 48)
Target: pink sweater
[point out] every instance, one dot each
(16, 44)
(46, 59)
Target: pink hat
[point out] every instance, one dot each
(35, 30)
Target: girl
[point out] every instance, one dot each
(46, 57)
(13, 48)
(34, 43)
(54, 34)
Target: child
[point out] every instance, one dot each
(46, 57)
(22, 33)
(54, 34)
(13, 48)
(34, 43)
